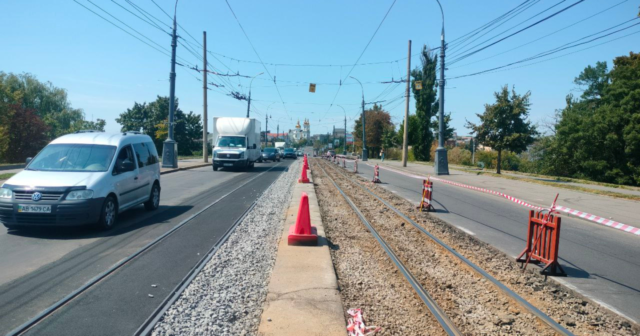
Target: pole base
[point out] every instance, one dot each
(169, 154)
(365, 155)
(441, 163)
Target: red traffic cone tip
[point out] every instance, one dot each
(302, 233)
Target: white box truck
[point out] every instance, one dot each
(236, 142)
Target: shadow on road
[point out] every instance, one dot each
(128, 221)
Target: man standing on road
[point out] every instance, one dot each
(382, 154)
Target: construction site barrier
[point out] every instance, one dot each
(543, 242)
(376, 174)
(427, 195)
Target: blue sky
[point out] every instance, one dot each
(106, 70)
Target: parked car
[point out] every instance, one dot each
(289, 153)
(83, 178)
(299, 153)
(270, 154)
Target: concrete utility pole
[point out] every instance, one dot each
(266, 128)
(249, 99)
(205, 149)
(441, 163)
(170, 147)
(344, 152)
(278, 131)
(473, 152)
(364, 137)
(405, 137)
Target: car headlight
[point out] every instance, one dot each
(215, 155)
(6, 193)
(80, 195)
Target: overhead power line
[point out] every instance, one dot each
(258, 55)
(471, 53)
(566, 46)
(149, 22)
(362, 53)
(547, 35)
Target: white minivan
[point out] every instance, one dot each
(83, 178)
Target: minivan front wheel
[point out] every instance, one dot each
(108, 214)
(154, 198)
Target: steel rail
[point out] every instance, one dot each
(147, 327)
(524, 303)
(446, 323)
(57, 305)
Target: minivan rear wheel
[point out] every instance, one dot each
(154, 198)
(109, 214)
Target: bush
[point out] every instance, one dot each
(459, 155)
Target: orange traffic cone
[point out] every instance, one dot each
(302, 233)
(305, 163)
(303, 176)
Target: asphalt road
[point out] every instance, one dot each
(602, 263)
(43, 266)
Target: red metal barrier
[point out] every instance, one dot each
(427, 194)
(543, 242)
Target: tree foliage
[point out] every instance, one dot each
(598, 135)
(448, 129)
(412, 135)
(152, 119)
(426, 104)
(504, 125)
(25, 99)
(23, 133)
(378, 121)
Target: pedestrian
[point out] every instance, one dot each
(382, 154)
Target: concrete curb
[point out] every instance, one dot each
(303, 296)
(184, 168)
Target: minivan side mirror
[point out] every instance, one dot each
(125, 166)
(28, 160)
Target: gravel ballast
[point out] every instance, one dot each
(473, 304)
(226, 298)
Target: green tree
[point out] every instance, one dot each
(598, 136)
(377, 123)
(426, 104)
(23, 133)
(448, 129)
(412, 135)
(504, 125)
(151, 118)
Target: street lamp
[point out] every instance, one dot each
(441, 165)
(249, 99)
(344, 152)
(364, 138)
(170, 146)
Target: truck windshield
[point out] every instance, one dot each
(73, 157)
(232, 141)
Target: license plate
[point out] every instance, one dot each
(228, 164)
(34, 208)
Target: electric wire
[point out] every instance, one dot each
(473, 52)
(151, 23)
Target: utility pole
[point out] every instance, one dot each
(364, 137)
(170, 147)
(405, 137)
(278, 131)
(441, 163)
(345, 136)
(473, 152)
(266, 129)
(205, 149)
(249, 98)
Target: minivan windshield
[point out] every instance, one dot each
(73, 157)
(269, 150)
(232, 141)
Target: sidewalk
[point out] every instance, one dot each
(627, 190)
(621, 210)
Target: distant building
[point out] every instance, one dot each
(339, 133)
(300, 133)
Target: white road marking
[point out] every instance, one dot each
(466, 230)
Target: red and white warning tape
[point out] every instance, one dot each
(581, 214)
(356, 325)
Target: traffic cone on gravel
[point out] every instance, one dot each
(302, 233)
(303, 176)
(305, 163)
